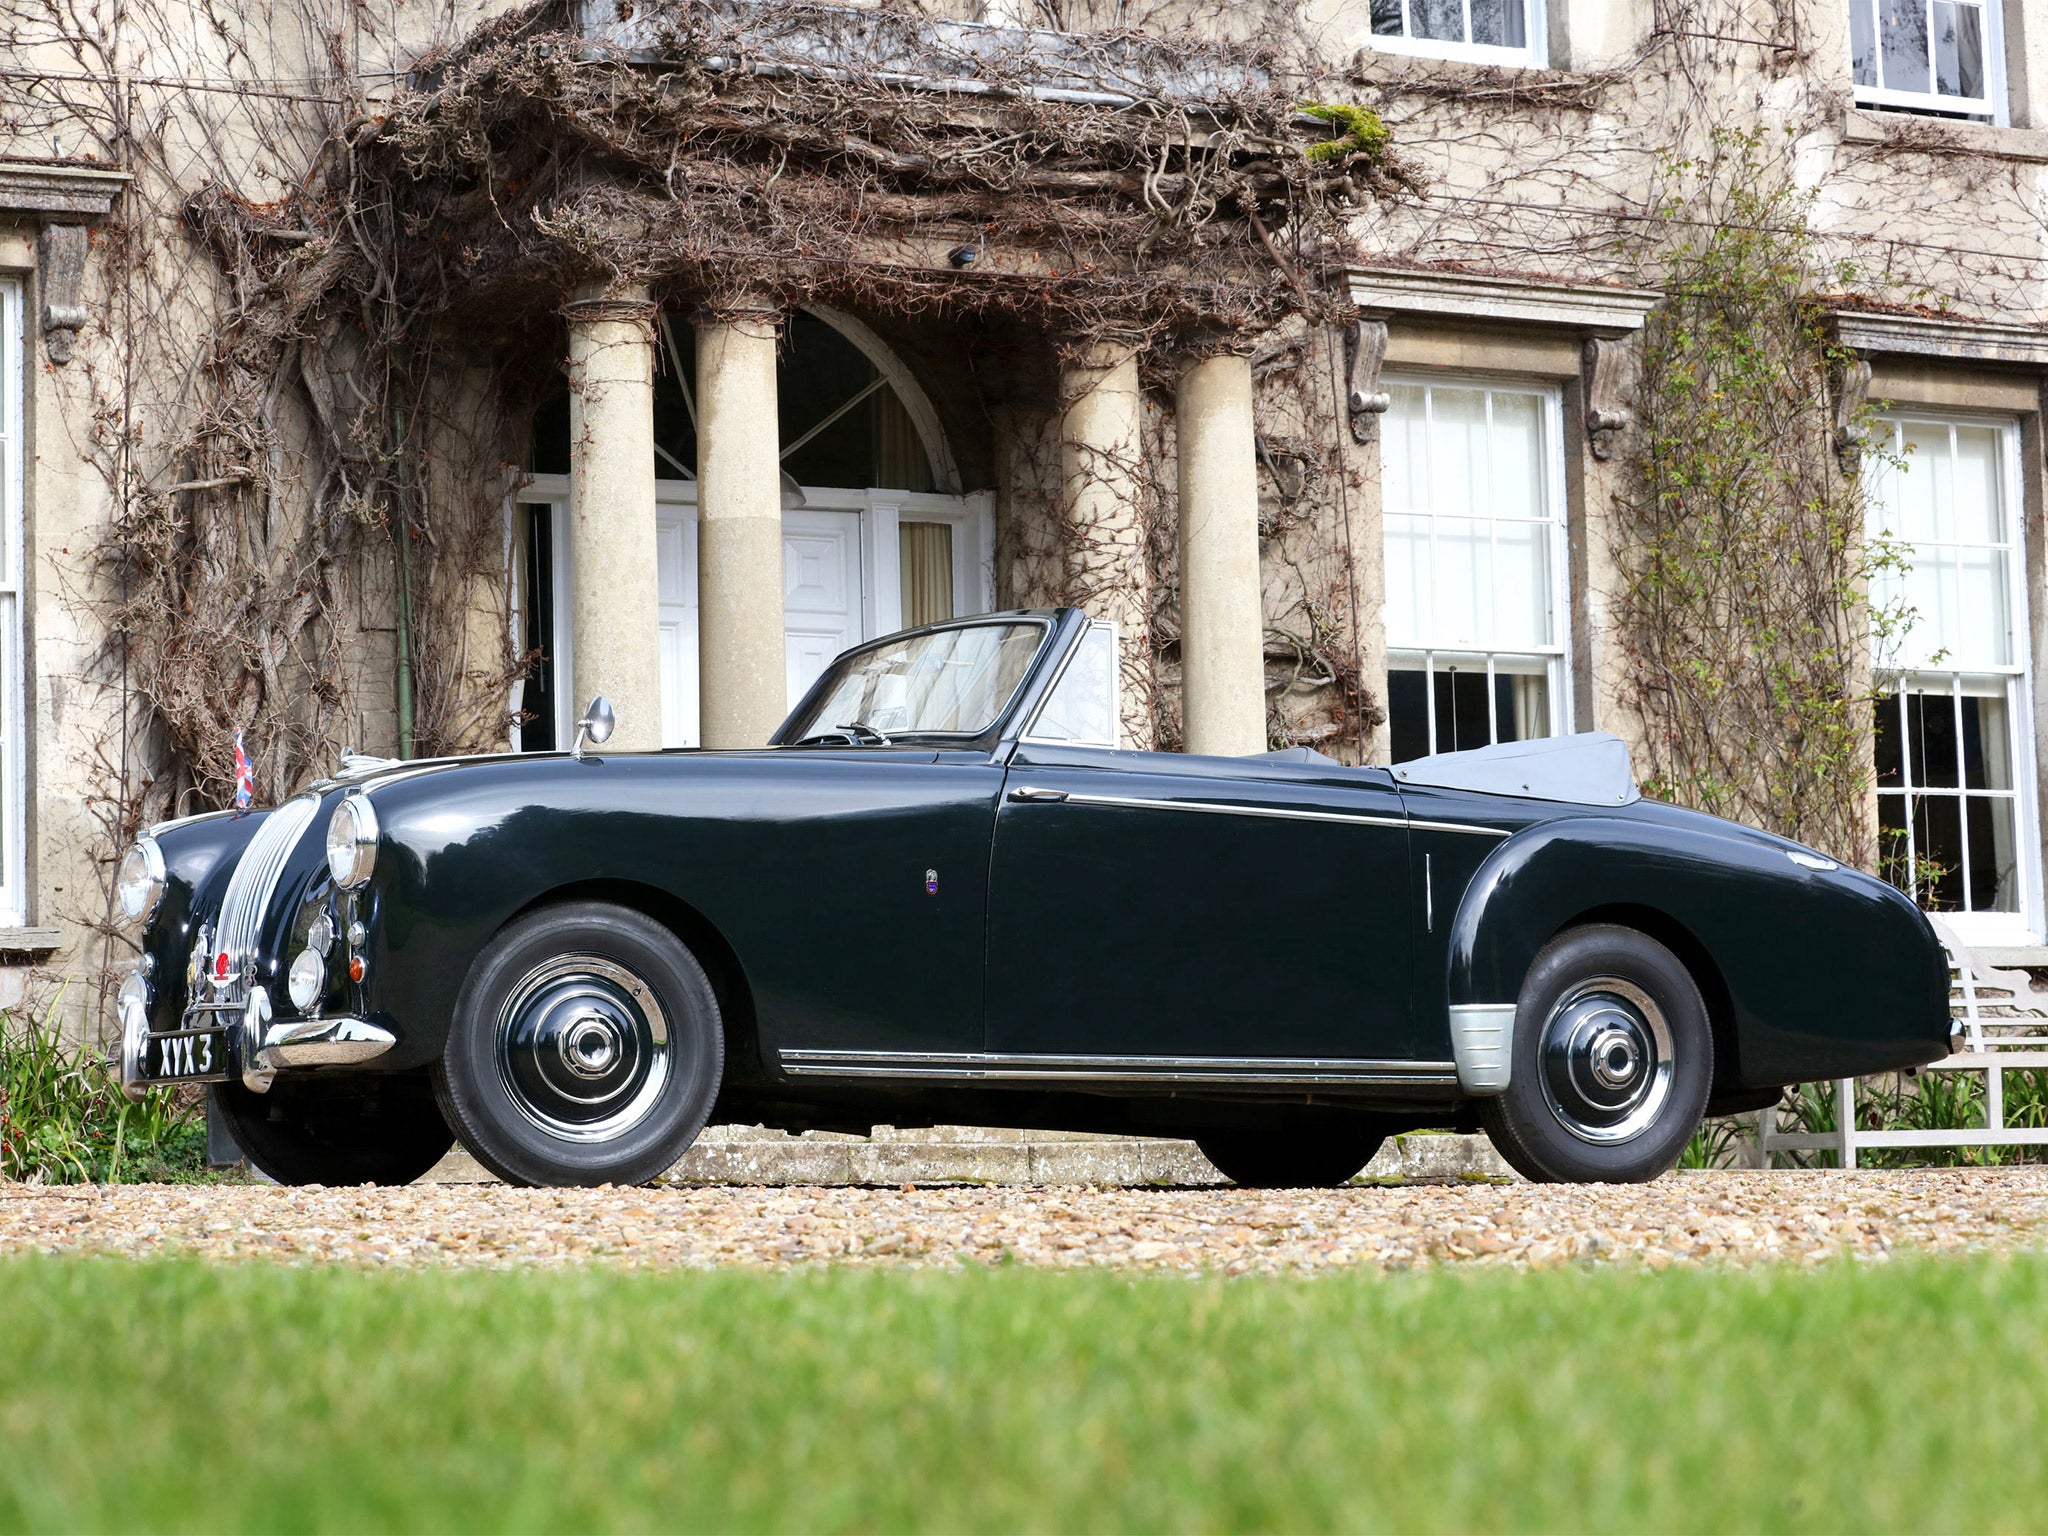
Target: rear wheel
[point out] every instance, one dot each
(1613, 1058)
(586, 1048)
(1319, 1155)
(365, 1129)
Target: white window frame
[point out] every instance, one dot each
(1536, 54)
(1555, 657)
(881, 513)
(13, 584)
(1989, 928)
(1992, 104)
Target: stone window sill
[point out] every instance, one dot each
(1944, 136)
(30, 941)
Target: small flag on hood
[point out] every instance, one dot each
(245, 776)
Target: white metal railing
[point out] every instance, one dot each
(2005, 1028)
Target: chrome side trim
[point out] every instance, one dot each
(1483, 1041)
(1457, 826)
(1030, 792)
(977, 1066)
(323, 1043)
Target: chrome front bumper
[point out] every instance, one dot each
(257, 1048)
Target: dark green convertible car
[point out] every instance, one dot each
(943, 896)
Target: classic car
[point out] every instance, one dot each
(942, 895)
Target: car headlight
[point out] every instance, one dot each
(307, 980)
(351, 842)
(134, 993)
(140, 885)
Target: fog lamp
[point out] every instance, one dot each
(307, 980)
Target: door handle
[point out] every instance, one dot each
(1028, 794)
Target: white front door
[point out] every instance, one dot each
(821, 591)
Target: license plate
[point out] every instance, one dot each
(187, 1056)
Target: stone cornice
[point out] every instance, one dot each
(1983, 341)
(82, 191)
(1584, 307)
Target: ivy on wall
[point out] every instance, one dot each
(1743, 607)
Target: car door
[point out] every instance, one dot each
(1154, 905)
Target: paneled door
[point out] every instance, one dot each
(821, 591)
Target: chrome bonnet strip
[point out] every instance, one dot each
(994, 1067)
(1275, 813)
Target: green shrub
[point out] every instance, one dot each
(65, 1120)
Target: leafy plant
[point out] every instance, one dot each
(65, 1120)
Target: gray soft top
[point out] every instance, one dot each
(1588, 769)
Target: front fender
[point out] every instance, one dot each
(1820, 973)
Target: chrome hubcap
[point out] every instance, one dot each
(1605, 1060)
(583, 1048)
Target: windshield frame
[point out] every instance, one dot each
(1024, 695)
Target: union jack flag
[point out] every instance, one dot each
(245, 776)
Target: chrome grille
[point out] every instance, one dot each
(250, 888)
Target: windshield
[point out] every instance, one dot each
(952, 680)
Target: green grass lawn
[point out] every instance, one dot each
(182, 1396)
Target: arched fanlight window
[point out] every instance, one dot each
(842, 423)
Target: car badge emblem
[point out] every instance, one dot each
(220, 966)
(931, 882)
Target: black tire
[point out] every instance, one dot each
(1604, 1012)
(1319, 1155)
(586, 1048)
(368, 1128)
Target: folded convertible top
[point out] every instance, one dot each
(1588, 769)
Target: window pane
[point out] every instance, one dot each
(1521, 608)
(1862, 41)
(1931, 727)
(1082, 708)
(1461, 713)
(1938, 834)
(1994, 861)
(1958, 50)
(1407, 715)
(1407, 612)
(1902, 41)
(1386, 17)
(1894, 862)
(925, 569)
(1404, 454)
(1442, 20)
(1517, 453)
(1458, 450)
(1525, 712)
(1460, 589)
(1891, 765)
(1499, 23)
(1974, 517)
(1980, 635)
(1987, 744)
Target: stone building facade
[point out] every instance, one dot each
(1385, 537)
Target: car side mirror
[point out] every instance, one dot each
(596, 725)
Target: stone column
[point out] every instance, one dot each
(614, 597)
(742, 654)
(1222, 611)
(1106, 570)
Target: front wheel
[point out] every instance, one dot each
(1319, 1155)
(370, 1128)
(586, 1048)
(1613, 1058)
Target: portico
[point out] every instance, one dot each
(743, 494)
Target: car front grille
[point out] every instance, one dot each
(250, 889)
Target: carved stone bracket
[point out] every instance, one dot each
(60, 273)
(1609, 370)
(1365, 347)
(1852, 392)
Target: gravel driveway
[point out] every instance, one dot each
(1711, 1218)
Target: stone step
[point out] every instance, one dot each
(730, 1154)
